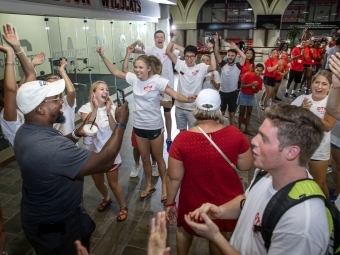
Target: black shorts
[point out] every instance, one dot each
(296, 75)
(307, 65)
(229, 99)
(278, 81)
(169, 109)
(269, 81)
(149, 134)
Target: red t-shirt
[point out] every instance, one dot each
(286, 57)
(249, 78)
(247, 67)
(208, 177)
(270, 62)
(320, 52)
(308, 60)
(314, 54)
(297, 63)
(281, 69)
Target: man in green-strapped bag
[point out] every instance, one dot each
(283, 146)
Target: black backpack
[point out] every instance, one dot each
(291, 195)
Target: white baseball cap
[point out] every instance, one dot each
(32, 93)
(208, 100)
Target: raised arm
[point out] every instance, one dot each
(180, 97)
(217, 49)
(170, 48)
(232, 45)
(210, 47)
(333, 103)
(71, 92)
(129, 50)
(11, 37)
(137, 50)
(180, 48)
(36, 61)
(111, 67)
(10, 85)
(112, 121)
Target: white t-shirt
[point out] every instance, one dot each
(189, 82)
(303, 229)
(69, 112)
(167, 70)
(229, 76)
(207, 84)
(335, 134)
(10, 128)
(104, 130)
(319, 109)
(147, 113)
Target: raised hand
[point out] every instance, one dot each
(232, 45)
(140, 44)
(94, 101)
(215, 36)
(5, 49)
(38, 59)
(174, 32)
(130, 49)
(209, 45)
(10, 36)
(334, 65)
(62, 66)
(108, 104)
(100, 51)
(158, 234)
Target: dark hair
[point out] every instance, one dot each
(159, 31)
(281, 46)
(259, 65)
(190, 48)
(296, 126)
(252, 60)
(337, 42)
(232, 50)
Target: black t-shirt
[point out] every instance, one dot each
(49, 164)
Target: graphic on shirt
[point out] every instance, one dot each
(257, 224)
(195, 72)
(321, 109)
(148, 88)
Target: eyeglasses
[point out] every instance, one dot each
(58, 99)
(191, 56)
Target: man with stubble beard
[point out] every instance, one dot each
(52, 168)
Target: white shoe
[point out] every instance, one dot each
(135, 170)
(155, 170)
(329, 169)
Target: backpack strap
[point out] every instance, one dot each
(258, 177)
(284, 199)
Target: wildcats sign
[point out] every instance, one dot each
(128, 5)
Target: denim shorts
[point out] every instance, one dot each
(245, 99)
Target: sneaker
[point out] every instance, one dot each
(329, 169)
(278, 99)
(135, 170)
(293, 95)
(168, 144)
(155, 170)
(286, 94)
(261, 104)
(299, 90)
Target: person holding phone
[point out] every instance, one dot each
(148, 124)
(102, 113)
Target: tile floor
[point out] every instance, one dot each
(127, 238)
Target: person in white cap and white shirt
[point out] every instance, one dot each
(52, 169)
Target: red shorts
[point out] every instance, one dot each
(115, 167)
(133, 139)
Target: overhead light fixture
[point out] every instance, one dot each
(304, 12)
(173, 27)
(334, 14)
(170, 2)
(249, 9)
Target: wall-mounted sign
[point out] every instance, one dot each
(313, 25)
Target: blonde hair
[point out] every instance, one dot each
(93, 88)
(208, 115)
(205, 55)
(153, 62)
(324, 73)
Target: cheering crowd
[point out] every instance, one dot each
(294, 142)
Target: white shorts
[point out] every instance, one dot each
(184, 118)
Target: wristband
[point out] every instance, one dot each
(9, 63)
(74, 135)
(170, 205)
(19, 51)
(121, 125)
(210, 52)
(172, 42)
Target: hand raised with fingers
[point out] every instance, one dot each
(209, 45)
(334, 65)
(232, 45)
(158, 234)
(100, 51)
(174, 32)
(215, 36)
(5, 49)
(108, 104)
(140, 44)
(63, 64)
(94, 101)
(38, 59)
(10, 36)
(130, 49)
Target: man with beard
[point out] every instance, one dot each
(52, 168)
(230, 72)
